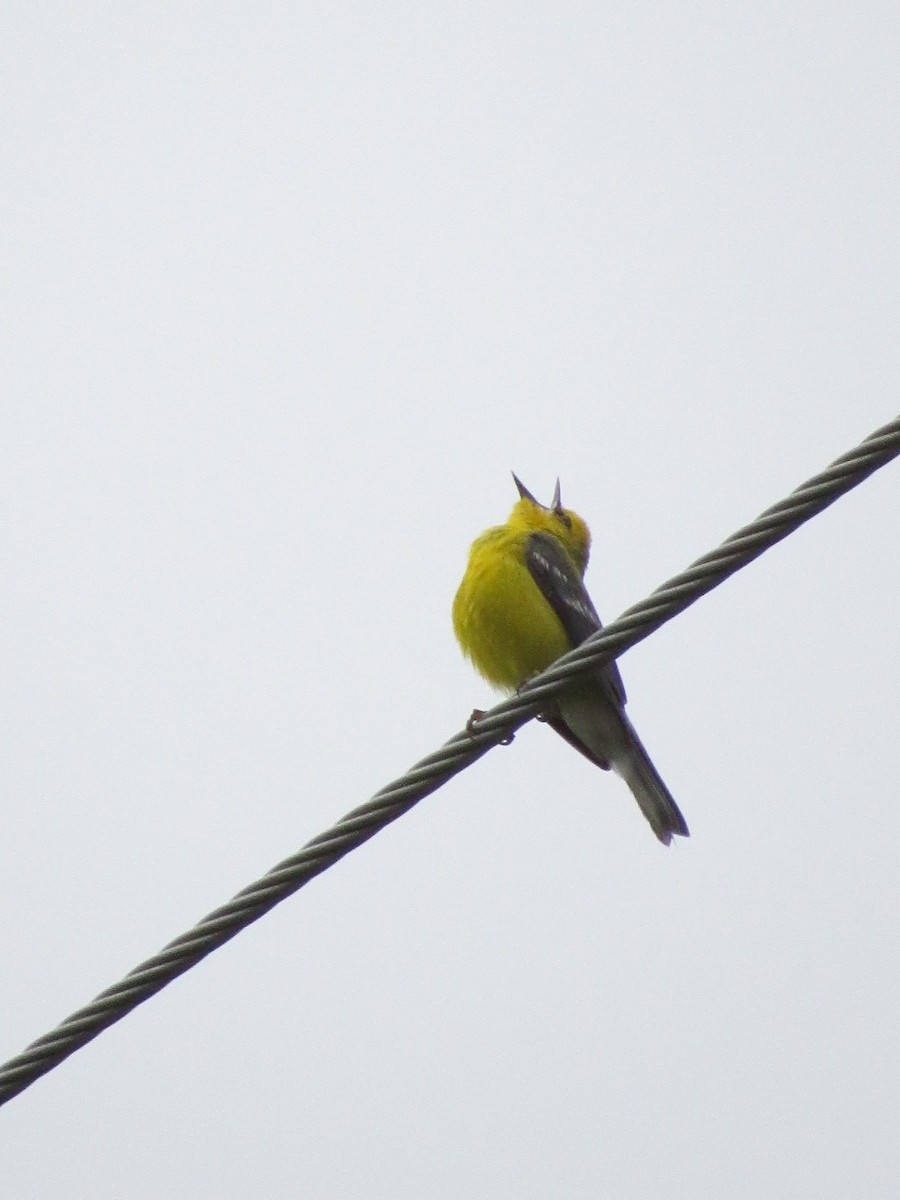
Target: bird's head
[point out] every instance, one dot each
(561, 523)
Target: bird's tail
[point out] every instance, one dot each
(655, 800)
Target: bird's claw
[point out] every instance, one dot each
(476, 716)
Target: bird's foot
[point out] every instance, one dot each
(476, 716)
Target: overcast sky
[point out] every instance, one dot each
(287, 290)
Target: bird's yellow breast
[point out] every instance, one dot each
(501, 618)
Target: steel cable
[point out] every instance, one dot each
(488, 730)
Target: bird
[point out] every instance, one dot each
(521, 604)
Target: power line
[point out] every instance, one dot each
(432, 772)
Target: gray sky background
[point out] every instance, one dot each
(286, 292)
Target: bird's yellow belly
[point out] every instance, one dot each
(504, 622)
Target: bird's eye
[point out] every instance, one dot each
(564, 517)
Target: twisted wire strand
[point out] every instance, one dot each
(426, 776)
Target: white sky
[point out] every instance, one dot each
(286, 292)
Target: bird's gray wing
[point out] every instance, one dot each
(556, 575)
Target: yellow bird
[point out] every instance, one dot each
(521, 604)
